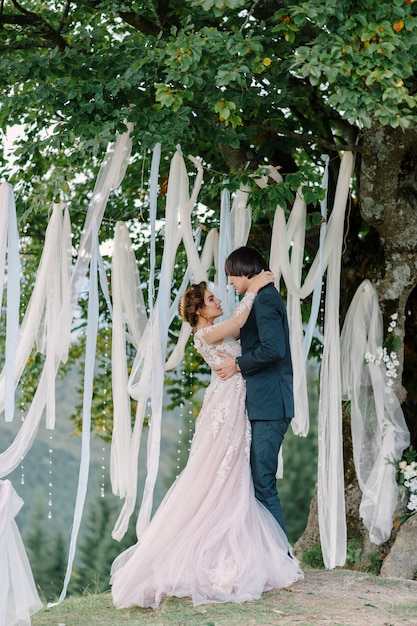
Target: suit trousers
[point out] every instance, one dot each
(267, 437)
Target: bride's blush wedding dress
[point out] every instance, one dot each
(210, 538)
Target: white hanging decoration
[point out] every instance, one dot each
(19, 598)
(211, 244)
(315, 304)
(9, 241)
(147, 373)
(286, 237)
(379, 430)
(330, 475)
(128, 308)
(110, 176)
(330, 465)
(90, 350)
(225, 294)
(240, 218)
(57, 299)
(31, 330)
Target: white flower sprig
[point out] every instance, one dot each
(406, 475)
(388, 357)
(393, 322)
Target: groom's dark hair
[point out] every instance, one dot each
(245, 261)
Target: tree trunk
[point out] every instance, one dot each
(381, 245)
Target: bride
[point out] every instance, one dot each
(210, 538)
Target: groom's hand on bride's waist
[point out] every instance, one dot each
(228, 367)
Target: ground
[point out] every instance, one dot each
(324, 598)
(346, 598)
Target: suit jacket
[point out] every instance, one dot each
(266, 358)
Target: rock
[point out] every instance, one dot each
(401, 562)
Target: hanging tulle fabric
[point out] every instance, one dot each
(225, 248)
(330, 466)
(211, 244)
(379, 431)
(128, 309)
(285, 238)
(235, 224)
(146, 379)
(58, 239)
(287, 257)
(9, 243)
(51, 333)
(48, 321)
(330, 474)
(18, 595)
(90, 350)
(49, 281)
(240, 218)
(109, 178)
(315, 304)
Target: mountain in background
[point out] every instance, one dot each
(55, 458)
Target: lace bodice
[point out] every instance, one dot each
(209, 351)
(228, 344)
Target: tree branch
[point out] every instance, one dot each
(64, 16)
(42, 27)
(165, 17)
(139, 22)
(319, 140)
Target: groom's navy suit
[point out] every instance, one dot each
(267, 368)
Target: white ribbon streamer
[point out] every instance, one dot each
(4, 220)
(330, 466)
(13, 305)
(110, 176)
(225, 248)
(128, 307)
(90, 357)
(315, 305)
(330, 475)
(146, 379)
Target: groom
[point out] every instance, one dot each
(266, 366)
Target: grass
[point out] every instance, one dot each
(98, 610)
(340, 598)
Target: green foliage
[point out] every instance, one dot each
(46, 553)
(370, 563)
(353, 551)
(362, 57)
(313, 557)
(298, 452)
(97, 550)
(356, 560)
(227, 71)
(224, 70)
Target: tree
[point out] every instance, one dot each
(35, 541)
(242, 85)
(47, 555)
(97, 549)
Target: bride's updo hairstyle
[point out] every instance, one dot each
(190, 302)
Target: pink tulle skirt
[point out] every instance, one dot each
(210, 539)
